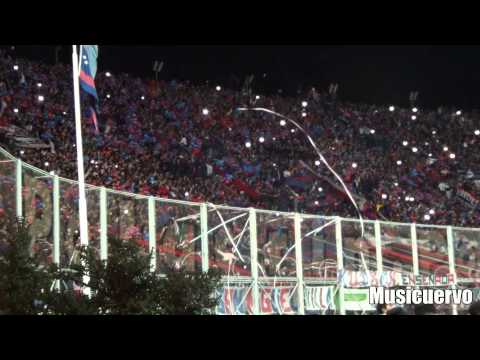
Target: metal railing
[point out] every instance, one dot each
(273, 262)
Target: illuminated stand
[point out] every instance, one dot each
(277, 262)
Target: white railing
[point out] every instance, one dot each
(272, 261)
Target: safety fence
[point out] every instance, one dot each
(272, 262)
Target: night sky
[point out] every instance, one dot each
(374, 74)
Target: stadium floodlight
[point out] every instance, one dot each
(414, 117)
(41, 98)
(261, 139)
(107, 74)
(415, 149)
(459, 112)
(248, 144)
(283, 123)
(477, 132)
(218, 88)
(320, 189)
(414, 109)
(391, 108)
(452, 156)
(427, 217)
(445, 148)
(15, 67)
(432, 212)
(399, 162)
(384, 196)
(304, 104)
(317, 163)
(405, 143)
(354, 165)
(205, 112)
(47, 163)
(15, 110)
(125, 211)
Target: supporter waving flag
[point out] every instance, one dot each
(88, 69)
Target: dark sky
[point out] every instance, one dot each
(377, 74)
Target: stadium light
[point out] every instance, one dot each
(283, 123)
(248, 144)
(452, 156)
(415, 149)
(414, 109)
(405, 143)
(304, 104)
(107, 74)
(262, 139)
(354, 165)
(391, 108)
(15, 67)
(41, 98)
(427, 217)
(477, 132)
(205, 112)
(317, 163)
(320, 189)
(399, 162)
(218, 88)
(15, 110)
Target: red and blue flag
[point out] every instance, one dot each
(88, 69)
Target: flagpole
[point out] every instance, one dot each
(81, 174)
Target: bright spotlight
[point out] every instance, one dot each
(432, 212)
(354, 165)
(414, 117)
(304, 114)
(399, 162)
(372, 131)
(477, 132)
(414, 109)
(205, 112)
(15, 67)
(459, 113)
(391, 108)
(41, 98)
(15, 110)
(218, 88)
(320, 189)
(452, 156)
(186, 194)
(248, 144)
(257, 97)
(427, 217)
(317, 163)
(125, 211)
(405, 143)
(384, 196)
(445, 148)
(262, 139)
(47, 163)
(415, 149)
(304, 104)
(108, 96)
(283, 123)
(316, 203)
(107, 74)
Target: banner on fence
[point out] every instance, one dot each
(357, 300)
(319, 298)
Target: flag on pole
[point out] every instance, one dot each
(88, 69)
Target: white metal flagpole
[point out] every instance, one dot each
(81, 174)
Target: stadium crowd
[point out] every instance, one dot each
(190, 142)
